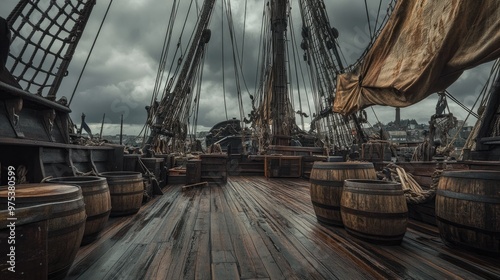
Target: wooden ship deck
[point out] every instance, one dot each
(255, 227)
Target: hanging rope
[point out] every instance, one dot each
(90, 53)
(368, 20)
(222, 59)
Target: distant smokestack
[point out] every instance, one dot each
(398, 117)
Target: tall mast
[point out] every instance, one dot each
(281, 121)
(169, 110)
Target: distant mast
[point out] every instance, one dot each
(281, 125)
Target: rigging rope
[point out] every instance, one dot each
(222, 59)
(90, 53)
(368, 20)
(47, 36)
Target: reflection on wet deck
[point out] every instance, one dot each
(259, 228)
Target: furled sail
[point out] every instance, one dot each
(424, 47)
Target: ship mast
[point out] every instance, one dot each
(167, 116)
(280, 104)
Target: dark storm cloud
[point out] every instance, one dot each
(121, 72)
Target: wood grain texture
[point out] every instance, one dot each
(259, 228)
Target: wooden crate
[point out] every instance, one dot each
(193, 171)
(176, 176)
(283, 166)
(214, 168)
(376, 151)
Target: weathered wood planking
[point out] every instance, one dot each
(259, 228)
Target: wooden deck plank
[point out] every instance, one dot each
(202, 263)
(257, 238)
(184, 240)
(327, 266)
(260, 228)
(249, 262)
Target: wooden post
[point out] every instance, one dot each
(102, 125)
(121, 131)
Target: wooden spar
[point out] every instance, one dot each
(489, 115)
(188, 187)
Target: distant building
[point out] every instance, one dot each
(398, 136)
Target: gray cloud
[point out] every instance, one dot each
(121, 72)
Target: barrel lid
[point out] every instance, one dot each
(342, 165)
(473, 174)
(76, 180)
(43, 192)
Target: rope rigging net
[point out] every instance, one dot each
(44, 39)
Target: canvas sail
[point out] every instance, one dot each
(424, 47)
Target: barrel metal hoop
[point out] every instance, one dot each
(358, 212)
(98, 216)
(127, 193)
(468, 197)
(98, 191)
(324, 206)
(328, 221)
(66, 230)
(495, 234)
(473, 174)
(394, 192)
(68, 212)
(115, 181)
(329, 183)
(371, 236)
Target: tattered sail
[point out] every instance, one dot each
(425, 46)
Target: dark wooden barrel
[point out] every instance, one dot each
(468, 210)
(65, 225)
(97, 203)
(126, 190)
(374, 210)
(327, 180)
(31, 234)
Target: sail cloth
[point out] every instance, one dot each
(424, 47)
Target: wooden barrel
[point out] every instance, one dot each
(65, 226)
(327, 181)
(126, 190)
(30, 230)
(97, 203)
(374, 210)
(468, 210)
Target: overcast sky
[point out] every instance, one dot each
(121, 72)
